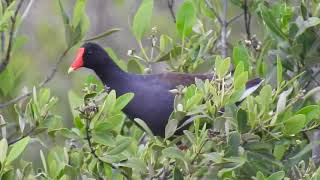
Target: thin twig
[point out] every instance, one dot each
(3, 40)
(30, 131)
(234, 18)
(214, 11)
(6, 60)
(247, 19)
(42, 84)
(199, 151)
(170, 6)
(23, 136)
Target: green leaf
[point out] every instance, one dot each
(311, 112)
(63, 13)
(74, 102)
(222, 66)
(265, 97)
(177, 175)
(277, 176)
(236, 162)
(109, 103)
(3, 152)
(174, 153)
(279, 150)
(294, 124)
(43, 160)
(165, 44)
(78, 12)
(171, 128)
(304, 10)
(186, 18)
(270, 21)
(135, 67)
(122, 101)
(68, 133)
(136, 164)
(242, 119)
(120, 146)
(142, 19)
(239, 69)
(279, 72)
(191, 137)
(240, 54)
(240, 81)
(103, 137)
(233, 144)
(260, 176)
(104, 34)
(304, 25)
(144, 126)
(17, 149)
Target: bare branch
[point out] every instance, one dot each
(42, 84)
(6, 60)
(214, 11)
(23, 136)
(170, 6)
(234, 18)
(224, 46)
(247, 19)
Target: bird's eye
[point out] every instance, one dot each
(89, 52)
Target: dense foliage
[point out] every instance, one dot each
(270, 135)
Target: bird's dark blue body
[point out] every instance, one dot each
(152, 102)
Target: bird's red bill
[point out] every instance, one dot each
(78, 62)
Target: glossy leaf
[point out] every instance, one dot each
(294, 124)
(142, 19)
(240, 54)
(171, 128)
(122, 101)
(120, 146)
(144, 126)
(186, 18)
(270, 21)
(222, 66)
(17, 149)
(134, 67)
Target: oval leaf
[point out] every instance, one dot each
(142, 19)
(186, 18)
(17, 149)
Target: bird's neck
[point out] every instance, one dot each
(111, 75)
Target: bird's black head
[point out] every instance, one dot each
(90, 55)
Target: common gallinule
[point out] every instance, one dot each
(152, 102)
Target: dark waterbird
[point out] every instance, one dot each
(152, 102)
